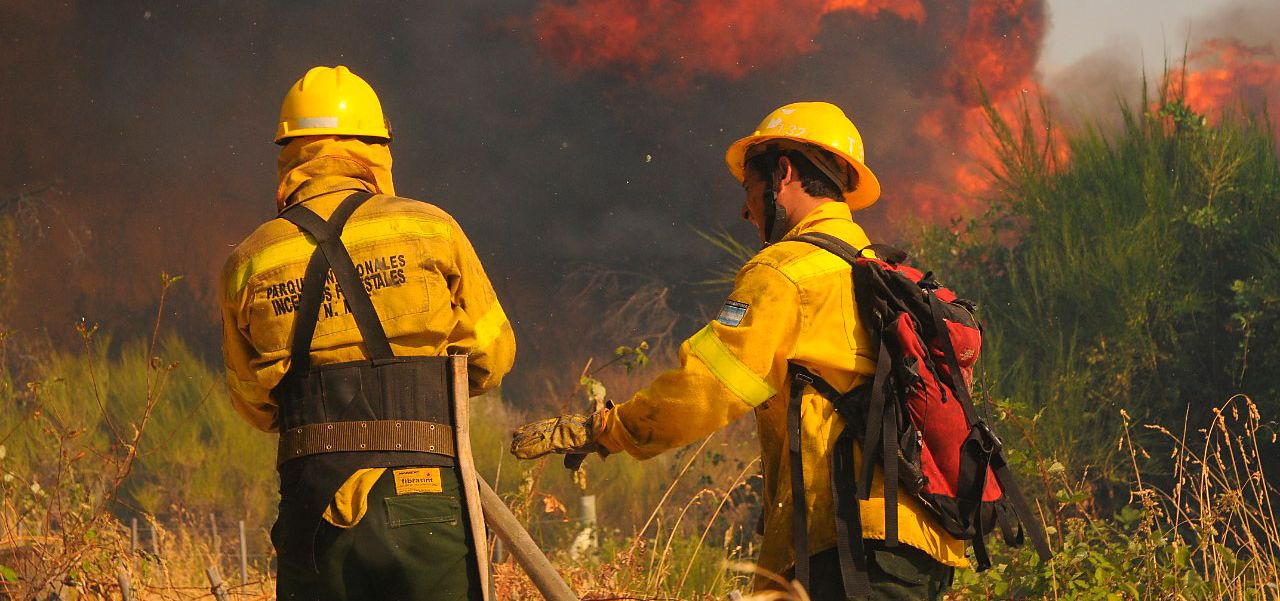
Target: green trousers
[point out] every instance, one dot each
(901, 573)
(409, 547)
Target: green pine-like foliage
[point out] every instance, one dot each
(1140, 272)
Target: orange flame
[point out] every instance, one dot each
(681, 40)
(1225, 74)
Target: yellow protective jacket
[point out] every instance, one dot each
(799, 307)
(422, 274)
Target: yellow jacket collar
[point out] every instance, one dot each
(315, 165)
(827, 210)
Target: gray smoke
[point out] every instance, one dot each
(153, 122)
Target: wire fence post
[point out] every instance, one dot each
(155, 539)
(499, 551)
(244, 557)
(216, 586)
(588, 539)
(213, 530)
(133, 534)
(126, 584)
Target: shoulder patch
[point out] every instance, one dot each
(732, 313)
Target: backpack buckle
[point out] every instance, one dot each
(994, 444)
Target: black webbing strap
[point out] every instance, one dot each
(889, 454)
(1013, 533)
(844, 476)
(799, 506)
(1020, 507)
(875, 428)
(831, 244)
(848, 518)
(995, 460)
(332, 254)
(848, 515)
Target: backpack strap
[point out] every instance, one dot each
(799, 501)
(883, 415)
(848, 518)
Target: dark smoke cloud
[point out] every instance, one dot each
(153, 122)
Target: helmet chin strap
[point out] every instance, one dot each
(775, 215)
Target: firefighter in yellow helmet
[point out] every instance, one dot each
(337, 316)
(803, 171)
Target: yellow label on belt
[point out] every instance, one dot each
(418, 479)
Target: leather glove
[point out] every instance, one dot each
(567, 434)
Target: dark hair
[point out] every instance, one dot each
(814, 182)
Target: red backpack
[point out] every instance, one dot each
(915, 419)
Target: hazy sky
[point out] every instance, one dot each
(1080, 27)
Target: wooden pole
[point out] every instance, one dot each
(216, 586)
(213, 529)
(244, 557)
(521, 546)
(460, 400)
(155, 540)
(133, 534)
(126, 584)
(499, 551)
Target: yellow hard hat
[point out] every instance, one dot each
(331, 101)
(820, 124)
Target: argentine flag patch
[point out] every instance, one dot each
(732, 312)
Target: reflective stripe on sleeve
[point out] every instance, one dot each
(731, 372)
(298, 248)
(489, 326)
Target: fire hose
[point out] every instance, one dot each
(521, 546)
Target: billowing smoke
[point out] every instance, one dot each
(1231, 61)
(911, 74)
(558, 133)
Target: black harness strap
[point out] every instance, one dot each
(848, 519)
(313, 485)
(848, 514)
(799, 502)
(304, 324)
(875, 421)
(334, 255)
(889, 455)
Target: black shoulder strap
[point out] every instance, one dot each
(831, 244)
(332, 254)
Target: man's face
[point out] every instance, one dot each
(753, 205)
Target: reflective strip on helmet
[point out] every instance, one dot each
(298, 248)
(731, 372)
(310, 122)
(813, 264)
(489, 326)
